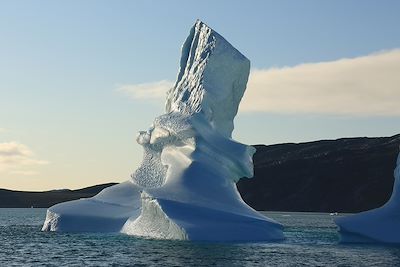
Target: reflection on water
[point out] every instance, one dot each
(311, 241)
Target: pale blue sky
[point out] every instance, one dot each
(62, 61)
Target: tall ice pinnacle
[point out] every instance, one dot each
(212, 78)
(185, 187)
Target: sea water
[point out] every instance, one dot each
(311, 240)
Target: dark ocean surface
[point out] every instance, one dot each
(311, 240)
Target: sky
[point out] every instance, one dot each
(79, 79)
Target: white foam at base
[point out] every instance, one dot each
(153, 222)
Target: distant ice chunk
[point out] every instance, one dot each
(377, 225)
(185, 187)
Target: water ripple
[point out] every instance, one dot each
(311, 241)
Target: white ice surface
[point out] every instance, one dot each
(185, 187)
(377, 225)
(105, 212)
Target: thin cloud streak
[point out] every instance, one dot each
(14, 155)
(152, 91)
(361, 86)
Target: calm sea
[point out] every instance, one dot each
(311, 241)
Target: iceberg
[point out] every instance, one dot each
(185, 187)
(380, 225)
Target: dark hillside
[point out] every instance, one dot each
(344, 175)
(20, 199)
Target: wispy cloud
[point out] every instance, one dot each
(154, 90)
(14, 156)
(367, 85)
(3, 130)
(25, 173)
